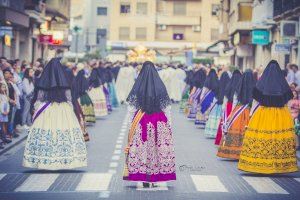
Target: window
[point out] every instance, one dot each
(141, 33)
(214, 35)
(214, 9)
(141, 8)
(125, 8)
(101, 34)
(101, 11)
(179, 8)
(124, 33)
(245, 13)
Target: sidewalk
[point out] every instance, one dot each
(15, 142)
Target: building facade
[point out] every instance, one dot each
(254, 32)
(164, 25)
(32, 29)
(93, 20)
(234, 42)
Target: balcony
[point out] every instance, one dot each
(17, 5)
(192, 19)
(284, 9)
(35, 5)
(12, 13)
(58, 9)
(240, 19)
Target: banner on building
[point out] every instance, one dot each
(6, 30)
(7, 40)
(45, 39)
(178, 36)
(260, 37)
(282, 48)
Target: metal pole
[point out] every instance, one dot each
(76, 48)
(298, 59)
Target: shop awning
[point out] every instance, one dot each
(15, 18)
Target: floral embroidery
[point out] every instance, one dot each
(60, 149)
(156, 154)
(269, 131)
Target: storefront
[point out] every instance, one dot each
(12, 24)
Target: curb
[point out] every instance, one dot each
(14, 143)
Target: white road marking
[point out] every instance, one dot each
(122, 134)
(115, 157)
(112, 171)
(264, 185)
(159, 187)
(119, 141)
(104, 194)
(37, 182)
(123, 130)
(117, 151)
(113, 164)
(2, 176)
(206, 183)
(297, 179)
(118, 146)
(94, 182)
(120, 138)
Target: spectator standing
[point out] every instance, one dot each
(290, 74)
(12, 95)
(4, 110)
(294, 106)
(295, 69)
(28, 90)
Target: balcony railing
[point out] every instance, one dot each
(36, 5)
(284, 6)
(17, 5)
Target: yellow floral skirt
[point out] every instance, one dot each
(269, 143)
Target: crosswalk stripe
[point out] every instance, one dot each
(115, 157)
(2, 176)
(206, 183)
(37, 182)
(94, 182)
(158, 187)
(297, 179)
(264, 185)
(113, 164)
(117, 151)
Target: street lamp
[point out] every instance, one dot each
(76, 30)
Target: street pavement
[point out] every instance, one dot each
(200, 174)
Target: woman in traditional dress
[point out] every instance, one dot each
(84, 99)
(124, 82)
(97, 95)
(103, 76)
(111, 88)
(214, 117)
(186, 92)
(55, 140)
(231, 143)
(207, 98)
(79, 89)
(149, 153)
(198, 82)
(269, 144)
(230, 90)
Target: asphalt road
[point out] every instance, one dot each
(200, 174)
